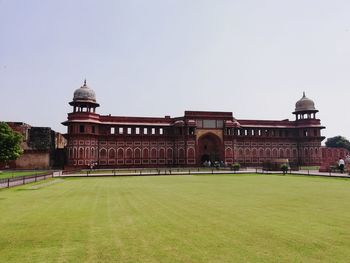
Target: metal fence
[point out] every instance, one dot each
(21, 180)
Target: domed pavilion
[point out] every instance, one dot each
(84, 99)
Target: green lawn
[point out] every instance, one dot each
(231, 218)
(10, 174)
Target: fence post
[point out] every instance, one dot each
(23, 179)
(35, 178)
(8, 182)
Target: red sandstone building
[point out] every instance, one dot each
(190, 140)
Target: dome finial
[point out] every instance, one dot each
(85, 82)
(304, 96)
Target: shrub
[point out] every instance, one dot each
(235, 166)
(284, 168)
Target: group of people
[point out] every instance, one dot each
(216, 164)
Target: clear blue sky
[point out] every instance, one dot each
(156, 58)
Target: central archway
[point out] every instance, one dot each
(210, 148)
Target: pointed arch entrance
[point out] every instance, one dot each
(210, 148)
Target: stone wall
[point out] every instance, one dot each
(40, 145)
(33, 160)
(331, 156)
(41, 138)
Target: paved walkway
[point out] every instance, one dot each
(169, 172)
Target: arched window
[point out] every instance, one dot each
(92, 152)
(81, 153)
(137, 153)
(153, 153)
(181, 153)
(268, 153)
(103, 153)
(287, 153)
(74, 153)
(247, 152)
(128, 153)
(87, 153)
(169, 153)
(274, 153)
(161, 153)
(228, 153)
(190, 153)
(69, 152)
(254, 152)
(281, 153)
(120, 153)
(145, 153)
(111, 154)
(295, 153)
(261, 153)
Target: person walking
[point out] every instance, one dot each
(341, 164)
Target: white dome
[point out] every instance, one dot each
(84, 93)
(305, 104)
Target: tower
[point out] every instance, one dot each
(83, 128)
(305, 109)
(308, 132)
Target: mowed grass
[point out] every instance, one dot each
(10, 174)
(232, 218)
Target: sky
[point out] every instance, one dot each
(156, 58)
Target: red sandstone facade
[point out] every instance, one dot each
(118, 141)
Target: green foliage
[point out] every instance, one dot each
(284, 168)
(236, 166)
(338, 142)
(10, 143)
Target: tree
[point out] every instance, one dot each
(338, 142)
(10, 143)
